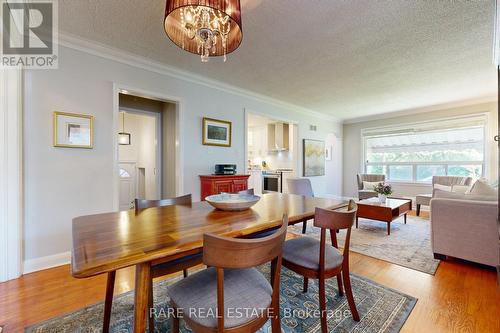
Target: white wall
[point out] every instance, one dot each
(353, 147)
(62, 183)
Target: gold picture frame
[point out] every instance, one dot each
(73, 130)
(216, 132)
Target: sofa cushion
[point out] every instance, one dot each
(440, 187)
(481, 187)
(460, 188)
(370, 185)
(463, 196)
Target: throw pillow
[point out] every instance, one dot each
(442, 187)
(481, 187)
(462, 189)
(370, 185)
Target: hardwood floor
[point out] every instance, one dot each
(461, 297)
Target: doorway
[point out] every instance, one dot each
(147, 153)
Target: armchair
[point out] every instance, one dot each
(368, 193)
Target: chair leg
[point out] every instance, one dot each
(151, 317)
(304, 227)
(339, 283)
(275, 319)
(322, 305)
(350, 297)
(108, 303)
(306, 284)
(418, 209)
(185, 272)
(175, 322)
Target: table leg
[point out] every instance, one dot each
(142, 283)
(356, 222)
(389, 228)
(405, 217)
(110, 285)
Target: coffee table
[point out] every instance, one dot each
(387, 212)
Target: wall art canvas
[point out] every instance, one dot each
(314, 158)
(73, 130)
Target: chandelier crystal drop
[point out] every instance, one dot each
(208, 28)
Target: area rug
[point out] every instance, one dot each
(381, 309)
(408, 244)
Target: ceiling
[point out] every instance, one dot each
(346, 59)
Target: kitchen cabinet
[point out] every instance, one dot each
(215, 184)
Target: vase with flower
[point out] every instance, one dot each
(383, 191)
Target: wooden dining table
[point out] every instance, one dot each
(104, 243)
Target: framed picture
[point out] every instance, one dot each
(216, 132)
(314, 158)
(73, 130)
(328, 153)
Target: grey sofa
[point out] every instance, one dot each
(465, 226)
(368, 193)
(425, 199)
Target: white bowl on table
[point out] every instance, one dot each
(232, 202)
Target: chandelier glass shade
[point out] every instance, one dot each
(206, 27)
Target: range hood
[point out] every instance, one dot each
(278, 137)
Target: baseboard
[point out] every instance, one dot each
(38, 264)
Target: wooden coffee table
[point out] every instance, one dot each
(392, 209)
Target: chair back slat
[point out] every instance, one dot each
(225, 252)
(144, 204)
(335, 219)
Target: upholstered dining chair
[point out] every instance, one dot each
(315, 259)
(157, 270)
(232, 282)
(366, 193)
(250, 191)
(300, 186)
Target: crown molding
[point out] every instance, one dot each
(134, 60)
(430, 108)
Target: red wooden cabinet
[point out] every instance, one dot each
(215, 184)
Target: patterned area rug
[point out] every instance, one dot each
(408, 244)
(381, 309)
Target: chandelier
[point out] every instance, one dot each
(206, 27)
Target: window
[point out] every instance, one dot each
(418, 152)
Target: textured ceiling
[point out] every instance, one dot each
(344, 58)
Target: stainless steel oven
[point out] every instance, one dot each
(272, 181)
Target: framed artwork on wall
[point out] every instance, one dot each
(216, 132)
(73, 130)
(313, 158)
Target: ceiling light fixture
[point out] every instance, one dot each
(205, 27)
(123, 137)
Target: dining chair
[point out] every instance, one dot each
(156, 270)
(300, 186)
(315, 259)
(232, 283)
(250, 191)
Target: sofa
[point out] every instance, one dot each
(465, 226)
(450, 181)
(368, 193)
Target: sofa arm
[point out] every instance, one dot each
(465, 229)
